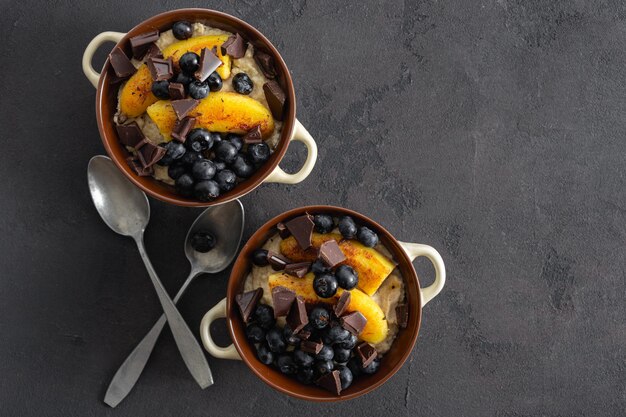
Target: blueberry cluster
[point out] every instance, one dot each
(208, 163)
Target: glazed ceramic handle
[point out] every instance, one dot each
(280, 176)
(217, 312)
(92, 75)
(414, 250)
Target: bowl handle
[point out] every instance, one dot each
(217, 312)
(92, 75)
(413, 250)
(280, 176)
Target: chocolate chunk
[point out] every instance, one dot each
(283, 232)
(160, 69)
(153, 51)
(304, 334)
(354, 322)
(183, 107)
(121, 64)
(402, 315)
(150, 154)
(141, 143)
(130, 134)
(366, 353)
(234, 46)
(282, 298)
(253, 135)
(266, 63)
(138, 168)
(301, 229)
(298, 269)
(330, 253)
(208, 63)
(311, 346)
(182, 128)
(297, 317)
(141, 43)
(330, 382)
(342, 303)
(247, 302)
(277, 261)
(177, 91)
(275, 97)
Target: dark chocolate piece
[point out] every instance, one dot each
(266, 63)
(121, 64)
(311, 346)
(366, 353)
(297, 317)
(160, 69)
(138, 168)
(342, 303)
(208, 63)
(130, 134)
(141, 43)
(330, 382)
(141, 143)
(253, 135)
(234, 46)
(247, 302)
(275, 97)
(183, 107)
(283, 232)
(282, 298)
(301, 229)
(177, 91)
(277, 261)
(304, 334)
(150, 154)
(354, 322)
(153, 51)
(182, 128)
(330, 253)
(298, 269)
(402, 315)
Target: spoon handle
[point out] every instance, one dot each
(128, 373)
(190, 350)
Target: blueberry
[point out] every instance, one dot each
(203, 241)
(226, 179)
(173, 152)
(306, 375)
(349, 343)
(347, 227)
(198, 90)
(184, 185)
(242, 83)
(203, 169)
(325, 285)
(176, 170)
(242, 166)
(326, 354)
(345, 376)
(199, 140)
(323, 223)
(367, 237)
(182, 30)
(286, 365)
(347, 277)
(184, 79)
(355, 367)
(214, 81)
(189, 63)
(323, 367)
(206, 190)
(274, 338)
(264, 354)
(337, 334)
(259, 257)
(225, 151)
(190, 157)
(342, 355)
(216, 137)
(289, 337)
(319, 318)
(219, 165)
(264, 315)
(372, 367)
(302, 358)
(255, 333)
(318, 267)
(161, 89)
(258, 153)
(235, 140)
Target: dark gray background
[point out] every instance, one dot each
(493, 131)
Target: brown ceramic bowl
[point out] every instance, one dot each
(403, 253)
(106, 103)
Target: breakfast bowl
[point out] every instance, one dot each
(387, 297)
(266, 107)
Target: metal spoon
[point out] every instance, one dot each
(125, 209)
(225, 222)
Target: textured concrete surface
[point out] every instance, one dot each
(492, 130)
